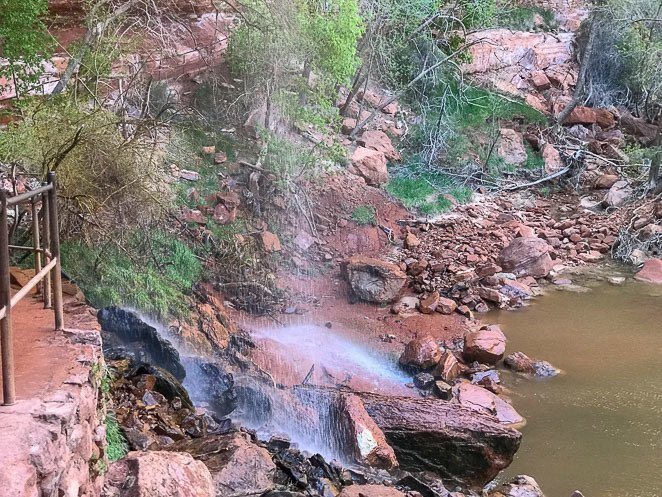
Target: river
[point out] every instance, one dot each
(598, 426)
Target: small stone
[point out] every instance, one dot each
(446, 306)
(424, 381)
(209, 150)
(270, 242)
(220, 157)
(616, 280)
(429, 304)
(443, 390)
(421, 353)
(411, 241)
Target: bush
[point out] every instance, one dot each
(524, 19)
(116, 444)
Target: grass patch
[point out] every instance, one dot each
(116, 444)
(534, 160)
(155, 280)
(426, 191)
(364, 215)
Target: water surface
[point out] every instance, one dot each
(598, 427)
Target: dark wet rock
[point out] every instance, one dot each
(425, 484)
(238, 466)
(527, 256)
(374, 280)
(486, 345)
(215, 385)
(443, 390)
(453, 441)
(424, 381)
(520, 486)
(421, 353)
(522, 363)
(158, 474)
(124, 332)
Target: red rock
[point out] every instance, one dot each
(348, 125)
(422, 353)
(270, 242)
(486, 345)
(465, 311)
(158, 474)
(581, 115)
(378, 140)
(374, 280)
(370, 97)
(370, 491)
(391, 109)
(238, 467)
(591, 256)
(536, 103)
(487, 270)
(604, 119)
(361, 436)
(527, 257)
(446, 306)
(448, 368)
(224, 215)
(371, 165)
(429, 304)
(411, 241)
(651, 272)
(511, 147)
(193, 216)
(540, 81)
(492, 295)
(605, 181)
(482, 400)
(552, 159)
(638, 128)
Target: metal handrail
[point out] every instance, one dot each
(50, 272)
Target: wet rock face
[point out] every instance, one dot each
(158, 474)
(421, 353)
(453, 441)
(125, 334)
(374, 280)
(237, 466)
(486, 345)
(527, 256)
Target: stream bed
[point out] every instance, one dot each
(598, 426)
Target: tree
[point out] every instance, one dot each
(24, 41)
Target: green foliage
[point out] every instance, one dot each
(116, 444)
(478, 13)
(534, 160)
(152, 274)
(524, 18)
(24, 40)
(287, 160)
(364, 215)
(426, 190)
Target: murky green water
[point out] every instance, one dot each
(598, 427)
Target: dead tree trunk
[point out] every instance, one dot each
(583, 69)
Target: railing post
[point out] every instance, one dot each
(45, 219)
(6, 342)
(55, 253)
(36, 239)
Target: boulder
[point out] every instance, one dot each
(486, 345)
(158, 474)
(638, 128)
(421, 353)
(479, 399)
(552, 158)
(378, 140)
(520, 486)
(238, 467)
(429, 304)
(370, 491)
(446, 306)
(511, 147)
(605, 181)
(617, 194)
(270, 242)
(522, 363)
(456, 442)
(448, 367)
(361, 436)
(527, 256)
(374, 280)
(348, 125)
(540, 81)
(371, 165)
(651, 272)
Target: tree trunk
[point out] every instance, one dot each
(359, 79)
(583, 68)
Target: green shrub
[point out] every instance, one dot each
(364, 214)
(524, 18)
(152, 273)
(116, 444)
